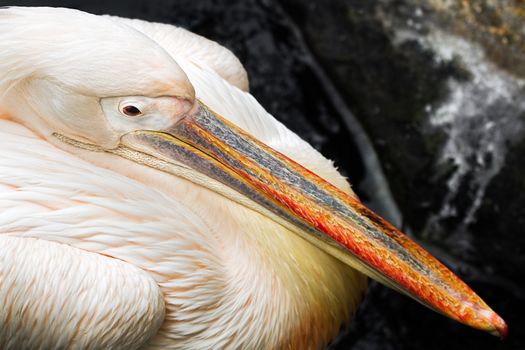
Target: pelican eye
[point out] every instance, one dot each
(131, 111)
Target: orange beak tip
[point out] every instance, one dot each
(494, 325)
(501, 329)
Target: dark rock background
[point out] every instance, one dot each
(422, 105)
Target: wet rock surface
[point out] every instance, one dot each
(430, 94)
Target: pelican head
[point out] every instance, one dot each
(142, 107)
(67, 84)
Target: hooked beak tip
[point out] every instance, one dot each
(491, 322)
(500, 327)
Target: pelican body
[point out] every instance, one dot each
(147, 201)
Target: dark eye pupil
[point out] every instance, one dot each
(132, 111)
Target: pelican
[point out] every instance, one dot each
(148, 201)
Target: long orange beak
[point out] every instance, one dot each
(329, 218)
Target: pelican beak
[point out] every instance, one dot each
(206, 143)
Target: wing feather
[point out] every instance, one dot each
(54, 296)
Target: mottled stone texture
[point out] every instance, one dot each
(438, 88)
